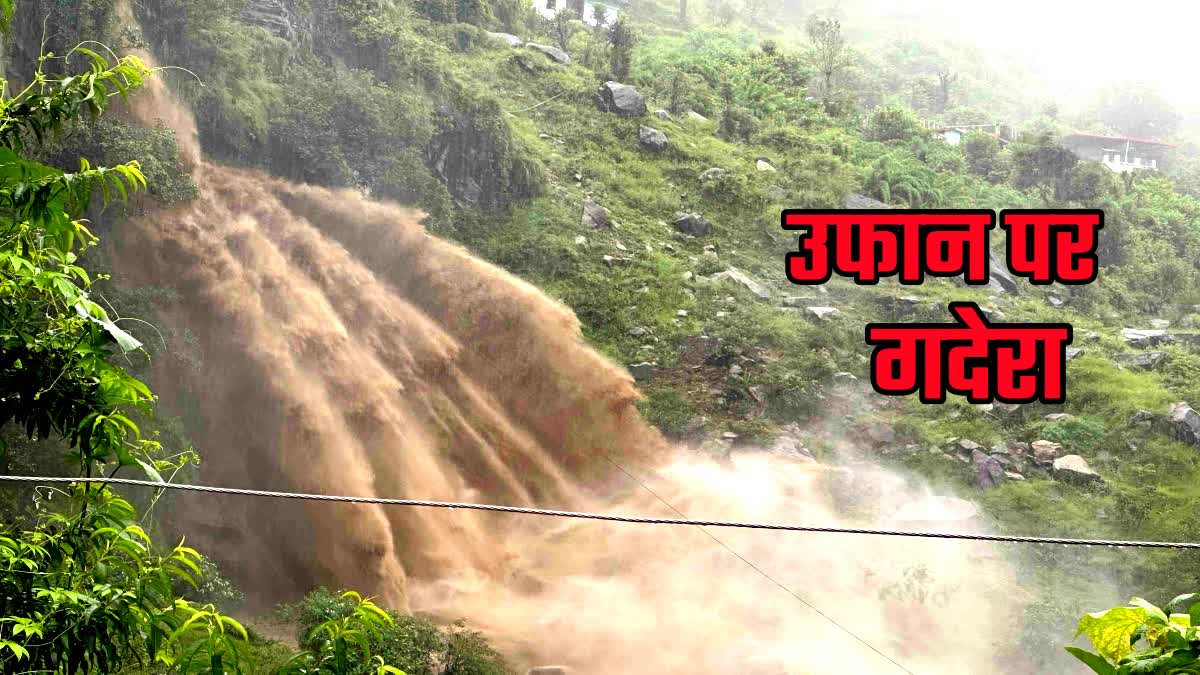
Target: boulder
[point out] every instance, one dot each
(663, 115)
(1143, 360)
(594, 215)
(776, 193)
(823, 313)
(555, 53)
(743, 279)
(510, 40)
(652, 139)
(1144, 419)
(1045, 452)
(1054, 301)
(1185, 423)
(789, 445)
(693, 224)
(1160, 324)
(1075, 469)
(694, 116)
(989, 472)
(712, 173)
(642, 372)
(1074, 353)
(763, 165)
(1059, 417)
(1145, 337)
(621, 99)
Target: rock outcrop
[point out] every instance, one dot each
(621, 99)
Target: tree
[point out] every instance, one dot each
(621, 40)
(1044, 165)
(1136, 110)
(946, 79)
(893, 123)
(982, 153)
(83, 589)
(828, 50)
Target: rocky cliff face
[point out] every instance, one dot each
(472, 153)
(281, 18)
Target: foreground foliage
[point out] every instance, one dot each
(1170, 638)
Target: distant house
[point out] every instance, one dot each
(953, 135)
(1118, 153)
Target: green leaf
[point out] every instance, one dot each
(1093, 661)
(1110, 631)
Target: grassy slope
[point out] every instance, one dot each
(1152, 481)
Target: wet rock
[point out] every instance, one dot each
(823, 313)
(621, 99)
(989, 472)
(1145, 337)
(594, 215)
(743, 279)
(652, 139)
(693, 224)
(1075, 469)
(1143, 360)
(642, 372)
(1045, 452)
(555, 53)
(1185, 423)
(510, 40)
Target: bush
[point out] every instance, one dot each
(414, 644)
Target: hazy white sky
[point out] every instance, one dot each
(1075, 46)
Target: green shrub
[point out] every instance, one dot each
(415, 645)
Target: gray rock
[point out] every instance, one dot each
(1054, 301)
(555, 53)
(1059, 417)
(663, 115)
(712, 173)
(763, 165)
(594, 215)
(1160, 324)
(823, 313)
(693, 224)
(843, 377)
(510, 40)
(638, 331)
(621, 99)
(856, 201)
(652, 139)
(1143, 360)
(277, 17)
(989, 472)
(776, 193)
(1074, 353)
(1145, 337)
(694, 116)
(1143, 419)
(743, 279)
(642, 372)
(1185, 423)
(1045, 452)
(1075, 469)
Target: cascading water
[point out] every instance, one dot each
(347, 351)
